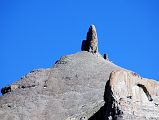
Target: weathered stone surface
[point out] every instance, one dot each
(81, 86)
(129, 97)
(72, 89)
(91, 42)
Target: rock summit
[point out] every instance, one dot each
(81, 86)
(91, 42)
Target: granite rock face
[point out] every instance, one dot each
(81, 86)
(91, 42)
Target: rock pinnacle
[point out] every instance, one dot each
(91, 42)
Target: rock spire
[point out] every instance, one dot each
(91, 42)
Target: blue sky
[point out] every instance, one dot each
(35, 33)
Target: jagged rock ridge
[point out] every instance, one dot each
(81, 86)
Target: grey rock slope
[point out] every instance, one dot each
(81, 86)
(72, 88)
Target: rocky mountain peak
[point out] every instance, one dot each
(81, 86)
(91, 42)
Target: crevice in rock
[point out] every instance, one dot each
(29, 86)
(110, 110)
(145, 91)
(130, 97)
(12, 88)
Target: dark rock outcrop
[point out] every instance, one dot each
(105, 56)
(8, 89)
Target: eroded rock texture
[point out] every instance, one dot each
(129, 97)
(72, 89)
(81, 86)
(91, 42)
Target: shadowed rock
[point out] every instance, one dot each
(105, 56)
(129, 97)
(91, 42)
(8, 89)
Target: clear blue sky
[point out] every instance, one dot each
(35, 33)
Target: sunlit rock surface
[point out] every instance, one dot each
(129, 97)
(81, 86)
(91, 42)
